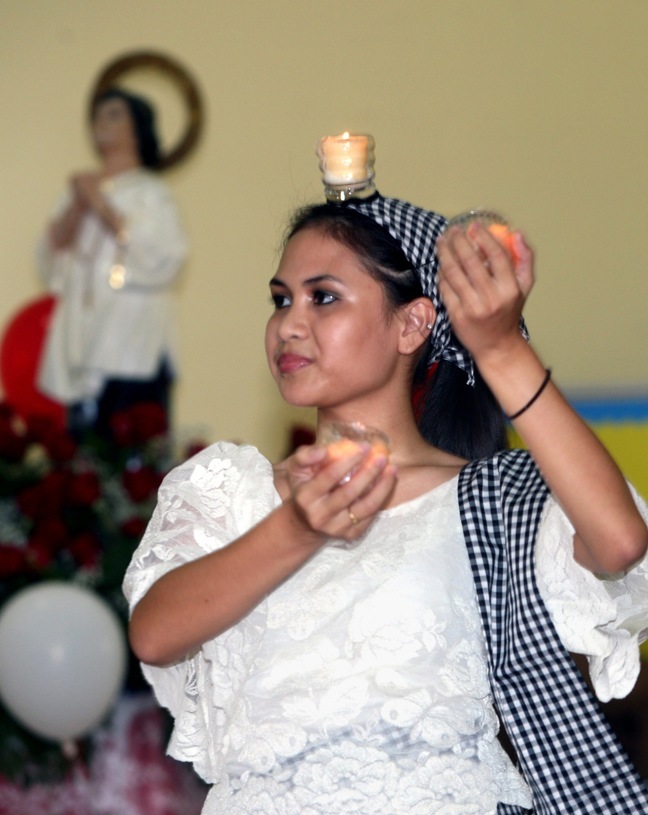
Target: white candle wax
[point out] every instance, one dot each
(344, 159)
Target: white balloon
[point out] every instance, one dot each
(62, 659)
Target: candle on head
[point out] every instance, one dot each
(346, 160)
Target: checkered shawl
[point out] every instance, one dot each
(567, 751)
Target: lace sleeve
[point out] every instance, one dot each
(604, 618)
(202, 506)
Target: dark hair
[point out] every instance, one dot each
(143, 116)
(456, 417)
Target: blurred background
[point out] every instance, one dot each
(535, 110)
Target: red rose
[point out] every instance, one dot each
(59, 444)
(83, 489)
(85, 548)
(39, 556)
(150, 420)
(50, 534)
(138, 424)
(134, 527)
(140, 483)
(44, 498)
(12, 443)
(61, 447)
(122, 428)
(12, 560)
(28, 501)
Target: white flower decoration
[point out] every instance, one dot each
(216, 483)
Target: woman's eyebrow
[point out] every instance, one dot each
(311, 281)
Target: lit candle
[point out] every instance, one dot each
(504, 235)
(348, 447)
(346, 161)
(342, 439)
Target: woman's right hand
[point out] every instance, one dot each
(337, 497)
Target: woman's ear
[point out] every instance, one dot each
(417, 321)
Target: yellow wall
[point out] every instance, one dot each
(627, 442)
(537, 109)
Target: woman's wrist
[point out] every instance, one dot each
(497, 360)
(299, 532)
(516, 377)
(533, 399)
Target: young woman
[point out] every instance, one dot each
(111, 254)
(329, 633)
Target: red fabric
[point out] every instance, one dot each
(420, 390)
(20, 355)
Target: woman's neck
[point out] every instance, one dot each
(398, 425)
(408, 447)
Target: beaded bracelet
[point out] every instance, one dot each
(544, 384)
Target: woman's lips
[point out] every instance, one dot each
(289, 363)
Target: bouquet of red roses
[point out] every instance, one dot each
(73, 510)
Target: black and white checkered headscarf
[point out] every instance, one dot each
(417, 230)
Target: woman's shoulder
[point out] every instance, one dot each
(504, 461)
(222, 460)
(225, 454)
(512, 474)
(218, 473)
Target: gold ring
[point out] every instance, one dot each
(352, 517)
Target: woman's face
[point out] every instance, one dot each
(330, 340)
(112, 126)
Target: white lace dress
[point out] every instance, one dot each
(358, 686)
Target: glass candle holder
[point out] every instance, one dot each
(344, 438)
(496, 224)
(346, 162)
(485, 216)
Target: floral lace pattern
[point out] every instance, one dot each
(359, 685)
(606, 619)
(346, 778)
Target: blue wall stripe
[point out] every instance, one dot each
(606, 408)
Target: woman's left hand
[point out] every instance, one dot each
(483, 287)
